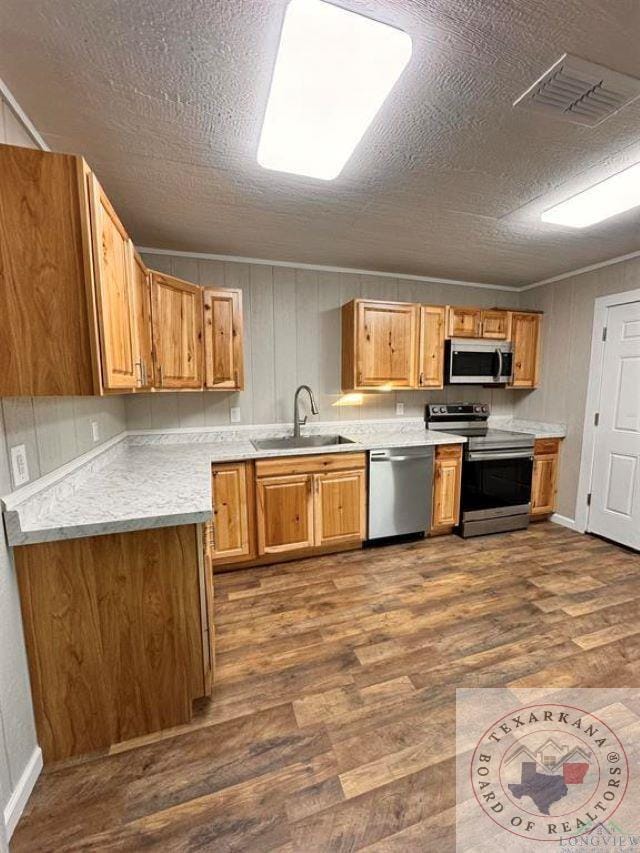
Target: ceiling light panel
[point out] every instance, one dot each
(333, 71)
(614, 195)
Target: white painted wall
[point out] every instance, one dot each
(292, 330)
(54, 431)
(568, 307)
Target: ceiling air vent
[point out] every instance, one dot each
(579, 91)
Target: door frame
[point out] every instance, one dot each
(602, 305)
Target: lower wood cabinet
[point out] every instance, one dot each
(294, 505)
(447, 478)
(545, 476)
(118, 635)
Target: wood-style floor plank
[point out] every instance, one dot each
(331, 726)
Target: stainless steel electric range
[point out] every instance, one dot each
(497, 467)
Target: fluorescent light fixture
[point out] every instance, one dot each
(614, 195)
(333, 71)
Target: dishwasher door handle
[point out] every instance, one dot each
(399, 458)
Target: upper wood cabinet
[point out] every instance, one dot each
(496, 325)
(464, 322)
(223, 356)
(142, 313)
(380, 344)
(431, 351)
(490, 323)
(113, 274)
(176, 308)
(525, 336)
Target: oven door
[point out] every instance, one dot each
(478, 364)
(496, 483)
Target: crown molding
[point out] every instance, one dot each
(618, 260)
(322, 268)
(22, 117)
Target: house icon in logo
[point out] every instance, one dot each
(551, 753)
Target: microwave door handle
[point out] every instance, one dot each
(498, 375)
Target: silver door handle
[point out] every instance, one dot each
(400, 458)
(499, 373)
(482, 455)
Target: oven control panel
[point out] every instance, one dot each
(435, 412)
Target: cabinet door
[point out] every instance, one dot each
(339, 507)
(525, 334)
(142, 314)
(464, 322)
(232, 534)
(113, 290)
(544, 483)
(432, 319)
(223, 362)
(177, 332)
(495, 325)
(446, 487)
(387, 337)
(284, 513)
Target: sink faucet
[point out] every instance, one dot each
(297, 420)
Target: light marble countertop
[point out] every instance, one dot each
(149, 480)
(540, 429)
(159, 480)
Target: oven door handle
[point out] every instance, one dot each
(489, 455)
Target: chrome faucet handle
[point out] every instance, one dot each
(302, 421)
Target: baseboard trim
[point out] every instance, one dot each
(21, 793)
(565, 522)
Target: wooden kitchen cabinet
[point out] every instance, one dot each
(232, 533)
(496, 325)
(431, 352)
(113, 277)
(142, 313)
(177, 311)
(115, 633)
(339, 506)
(464, 322)
(545, 476)
(223, 355)
(525, 336)
(380, 344)
(447, 478)
(285, 513)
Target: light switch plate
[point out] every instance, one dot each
(235, 414)
(19, 465)
(95, 431)
(399, 408)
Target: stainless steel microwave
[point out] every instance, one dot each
(477, 362)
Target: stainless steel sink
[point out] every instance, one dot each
(290, 442)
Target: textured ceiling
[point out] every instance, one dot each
(165, 99)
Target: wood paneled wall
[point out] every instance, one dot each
(568, 306)
(292, 335)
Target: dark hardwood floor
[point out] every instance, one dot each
(332, 722)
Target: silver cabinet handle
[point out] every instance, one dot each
(138, 366)
(160, 375)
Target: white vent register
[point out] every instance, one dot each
(580, 92)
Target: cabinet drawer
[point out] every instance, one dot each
(546, 445)
(310, 464)
(449, 451)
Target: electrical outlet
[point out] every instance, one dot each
(19, 465)
(235, 414)
(95, 431)
(399, 408)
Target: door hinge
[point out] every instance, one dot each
(596, 419)
(604, 333)
(589, 499)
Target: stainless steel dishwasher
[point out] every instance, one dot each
(400, 488)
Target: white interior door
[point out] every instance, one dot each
(615, 483)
